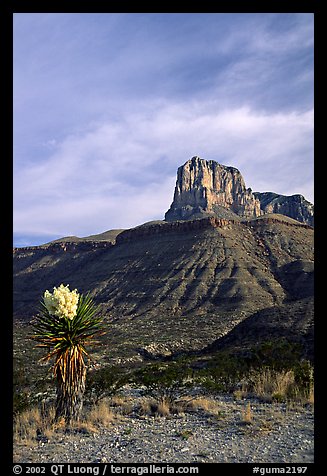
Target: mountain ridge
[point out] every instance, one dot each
(182, 284)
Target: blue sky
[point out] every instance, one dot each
(108, 106)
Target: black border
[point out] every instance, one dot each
(7, 10)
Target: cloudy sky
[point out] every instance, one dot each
(108, 106)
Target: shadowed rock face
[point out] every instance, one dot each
(206, 187)
(294, 206)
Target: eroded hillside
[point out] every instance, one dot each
(181, 283)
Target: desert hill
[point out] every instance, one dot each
(184, 283)
(229, 275)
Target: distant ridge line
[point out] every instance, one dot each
(152, 230)
(199, 224)
(66, 246)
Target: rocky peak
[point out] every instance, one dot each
(205, 187)
(294, 206)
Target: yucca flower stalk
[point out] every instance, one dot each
(66, 324)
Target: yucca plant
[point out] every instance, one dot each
(66, 324)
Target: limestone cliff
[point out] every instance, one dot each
(209, 188)
(294, 206)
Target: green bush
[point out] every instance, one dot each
(304, 375)
(226, 370)
(222, 372)
(279, 354)
(21, 402)
(164, 381)
(105, 382)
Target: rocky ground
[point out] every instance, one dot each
(217, 430)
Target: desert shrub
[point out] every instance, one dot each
(278, 367)
(164, 382)
(270, 384)
(38, 422)
(161, 407)
(272, 369)
(20, 381)
(222, 373)
(105, 382)
(279, 354)
(304, 375)
(20, 402)
(206, 404)
(28, 384)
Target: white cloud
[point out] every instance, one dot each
(106, 107)
(122, 174)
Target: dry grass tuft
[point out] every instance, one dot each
(163, 407)
(153, 407)
(33, 422)
(247, 415)
(122, 405)
(212, 409)
(100, 414)
(203, 403)
(269, 384)
(208, 405)
(241, 393)
(311, 396)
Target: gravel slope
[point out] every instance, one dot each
(277, 433)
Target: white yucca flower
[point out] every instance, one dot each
(62, 302)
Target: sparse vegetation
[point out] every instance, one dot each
(167, 391)
(247, 415)
(39, 423)
(185, 434)
(31, 424)
(163, 407)
(168, 290)
(206, 404)
(105, 382)
(162, 381)
(271, 371)
(100, 413)
(269, 384)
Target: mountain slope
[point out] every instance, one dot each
(293, 321)
(183, 283)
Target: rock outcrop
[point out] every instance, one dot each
(58, 247)
(209, 188)
(137, 233)
(206, 188)
(294, 206)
